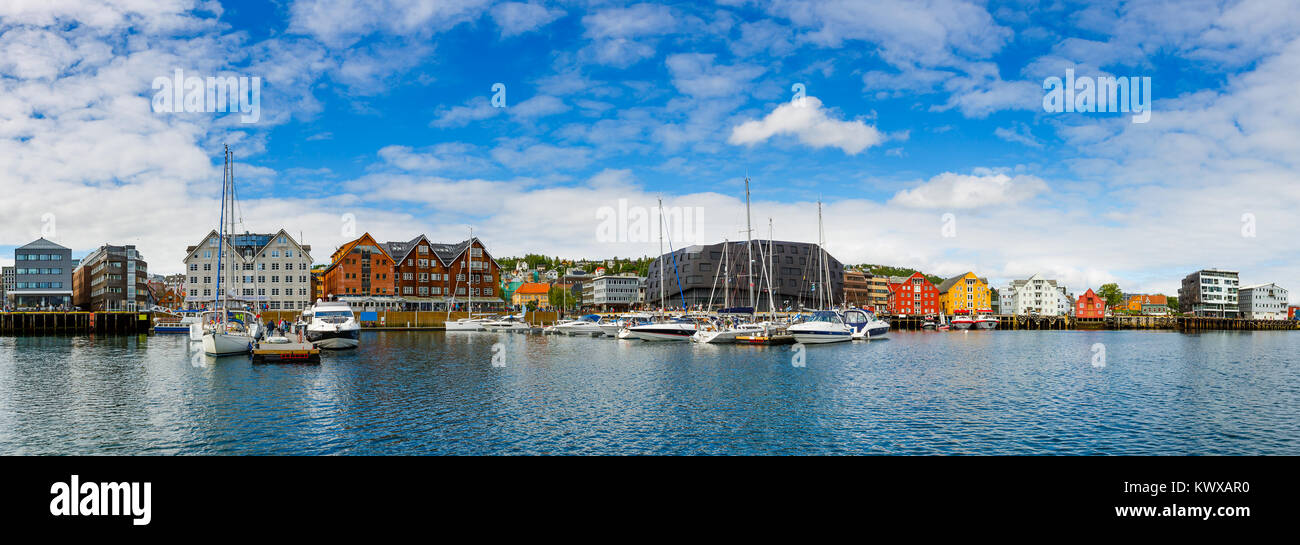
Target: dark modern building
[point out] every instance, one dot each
(42, 276)
(112, 278)
(701, 271)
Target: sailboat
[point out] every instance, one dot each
(226, 336)
(673, 330)
(469, 323)
(825, 326)
(728, 330)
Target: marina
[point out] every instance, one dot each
(1002, 392)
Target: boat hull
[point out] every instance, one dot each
(989, 324)
(664, 332)
(820, 337)
(335, 340)
(962, 324)
(223, 344)
(464, 326)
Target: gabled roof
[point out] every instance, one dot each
(41, 244)
(399, 250)
(943, 286)
(348, 246)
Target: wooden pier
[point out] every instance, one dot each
(1179, 323)
(75, 323)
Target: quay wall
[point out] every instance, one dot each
(1181, 323)
(75, 323)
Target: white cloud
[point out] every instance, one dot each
(538, 106)
(1018, 132)
(340, 23)
(696, 74)
(477, 109)
(517, 18)
(811, 125)
(961, 191)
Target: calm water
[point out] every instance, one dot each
(1004, 392)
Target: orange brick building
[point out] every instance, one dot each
(413, 275)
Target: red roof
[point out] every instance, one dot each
(533, 288)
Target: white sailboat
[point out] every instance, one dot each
(226, 336)
(469, 323)
(825, 326)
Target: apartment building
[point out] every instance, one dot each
(1210, 292)
(42, 276)
(262, 271)
(416, 274)
(112, 278)
(614, 292)
(1035, 295)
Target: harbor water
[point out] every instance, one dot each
(975, 392)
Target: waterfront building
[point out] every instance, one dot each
(878, 287)
(1210, 292)
(614, 292)
(112, 278)
(42, 276)
(1090, 305)
(1034, 295)
(1262, 302)
(913, 295)
(1291, 312)
(264, 271)
(1147, 304)
(412, 275)
(857, 289)
(531, 292)
(689, 273)
(6, 284)
(966, 292)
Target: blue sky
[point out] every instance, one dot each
(922, 128)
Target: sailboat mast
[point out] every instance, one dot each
(749, 245)
(470, 293)
(771, 272)
(661, 252)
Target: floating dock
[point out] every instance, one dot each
(765, 339)
(292, 352)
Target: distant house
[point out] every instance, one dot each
(1147, 304)
(1089, 305)
(42, 277)
(530, 292)
(912, 295)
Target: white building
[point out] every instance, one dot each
(1262, 302)
(1210, 292)
(264, 271)
(613, 291)
(1034, 295)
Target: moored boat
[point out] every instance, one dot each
(824, 326)
(333, 326)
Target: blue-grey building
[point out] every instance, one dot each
(42, 276)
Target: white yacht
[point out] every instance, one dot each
(676, 330)
(865, 324)
(586, 325)
(825, 326)
(509, 323)
(333, 326)
(714, 334)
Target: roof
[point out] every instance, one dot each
(943, 286)
(532, 288)
(41, 244)
(399, 250)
